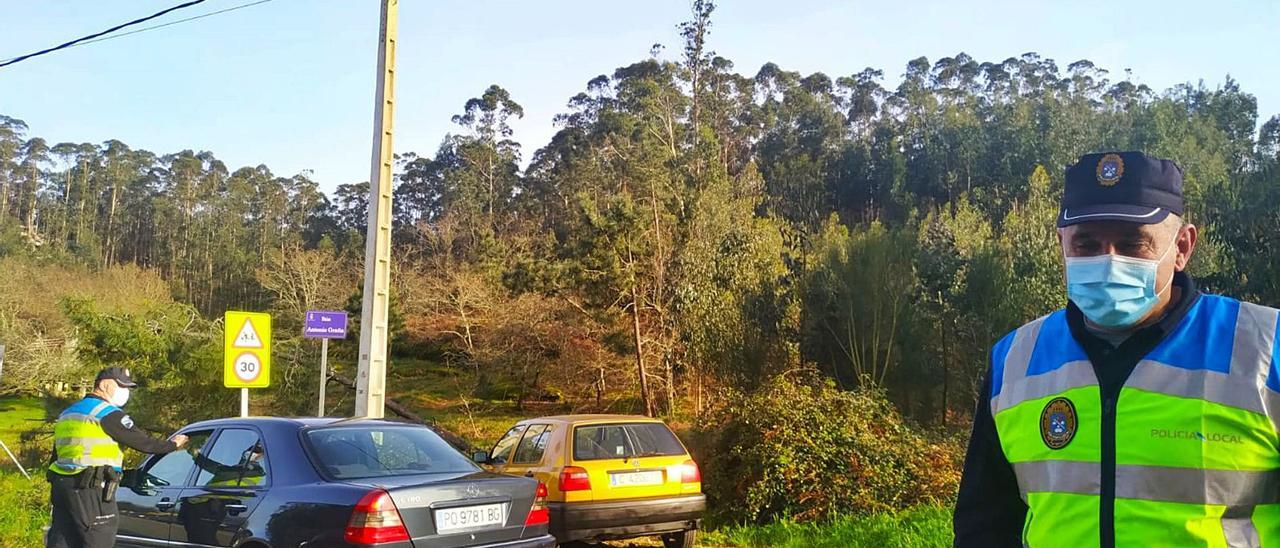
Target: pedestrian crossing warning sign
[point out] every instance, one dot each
(246, 350)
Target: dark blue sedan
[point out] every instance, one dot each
(274, 483)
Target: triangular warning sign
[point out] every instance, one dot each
(248, 337)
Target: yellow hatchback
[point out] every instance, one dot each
(608, 476)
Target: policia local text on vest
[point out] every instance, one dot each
(1145, 413)
(87, 461)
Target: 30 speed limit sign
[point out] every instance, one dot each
(247, 350)
(248, 367)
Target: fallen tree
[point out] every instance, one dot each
(403, 412)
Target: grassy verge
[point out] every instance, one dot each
(17, 415)
(24, 504)
(24, 510)
(916, 528)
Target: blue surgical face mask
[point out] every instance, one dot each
(1114, 291)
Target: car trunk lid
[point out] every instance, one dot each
(456, 509)
(631, 460)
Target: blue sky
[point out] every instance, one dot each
(289, 83)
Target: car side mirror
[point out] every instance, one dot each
(480, 457)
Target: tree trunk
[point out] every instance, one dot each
(671, 388)
(697, 392)
(108, 252)
(31, 207)
(635, 331)
(84, 189)
(946, 368)
(66, 197)
(600, 391)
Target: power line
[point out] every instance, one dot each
(99, 34)
(145, 29)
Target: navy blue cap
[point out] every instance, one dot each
(118, 374)
(1121, 186)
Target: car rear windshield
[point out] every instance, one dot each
(619, 441)
(356, 452)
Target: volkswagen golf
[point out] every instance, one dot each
(607, 476)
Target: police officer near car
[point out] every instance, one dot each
(87, 461)
(1145, 413)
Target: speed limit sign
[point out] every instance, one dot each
(247, 350)
(248, 367)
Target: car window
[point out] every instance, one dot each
(605, 441)
(502, 450)
(373, 451)
(532, 445)
(237, 459)
(653, 439)
(616, 441)
(397, 451)
(173, 468)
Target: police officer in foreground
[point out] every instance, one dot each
(1143, 414)
(87, 462)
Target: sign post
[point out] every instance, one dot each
(246, 338)
(324, 325)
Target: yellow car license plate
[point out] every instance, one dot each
(635, 479)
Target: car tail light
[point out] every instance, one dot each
(689, 472)
(573, 478)
(538, 513)
(376, 520)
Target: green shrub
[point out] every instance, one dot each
(809, 451)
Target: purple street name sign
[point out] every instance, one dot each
(325, 324)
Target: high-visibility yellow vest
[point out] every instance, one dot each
(1193, 445)
(79, 440)
(238, 476)
(231, 477)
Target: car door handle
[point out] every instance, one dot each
(165, 504)
(236, 508)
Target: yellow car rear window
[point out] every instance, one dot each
(621, 441)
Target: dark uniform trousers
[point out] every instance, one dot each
(81, 519)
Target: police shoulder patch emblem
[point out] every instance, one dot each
(126, 422)
(1058, 423)
(1110, 169)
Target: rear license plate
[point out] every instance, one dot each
(470, 517)
(635, 479)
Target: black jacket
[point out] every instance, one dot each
(989, 509)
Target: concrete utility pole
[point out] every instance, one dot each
(371, 380)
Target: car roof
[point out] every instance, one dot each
(297, 422)
(590, 419)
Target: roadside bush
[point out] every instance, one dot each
(806, 450)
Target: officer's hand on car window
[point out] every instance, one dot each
(180, 440)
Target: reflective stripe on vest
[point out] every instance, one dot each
(1197, 451)
(79, 440)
